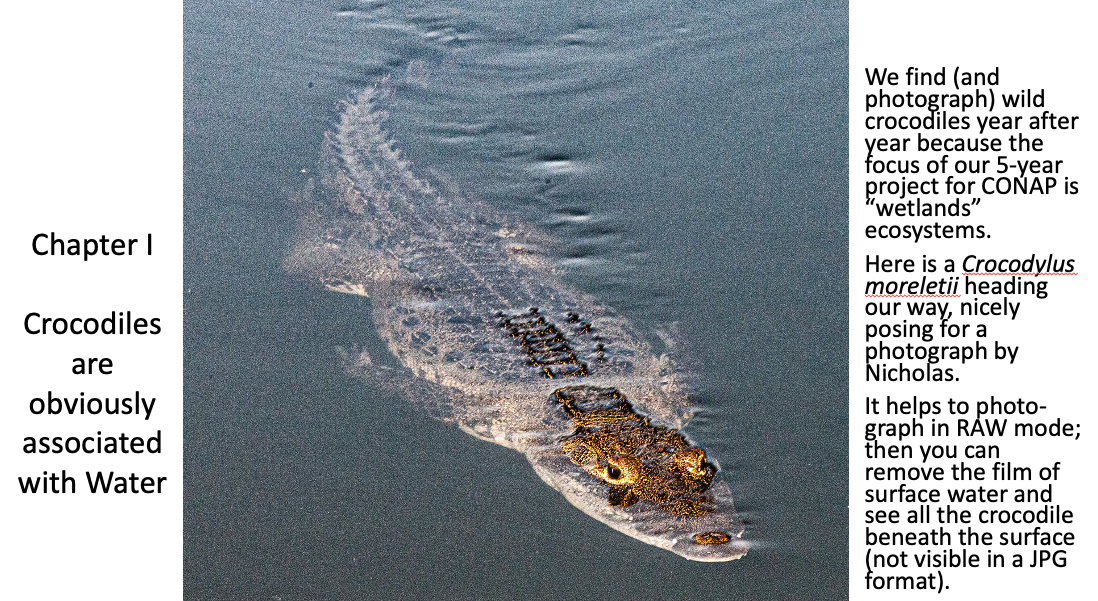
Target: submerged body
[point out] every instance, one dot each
(495, 342)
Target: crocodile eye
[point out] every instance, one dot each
(613, 472)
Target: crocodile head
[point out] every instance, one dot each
(650, 477)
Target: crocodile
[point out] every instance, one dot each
(491, 339)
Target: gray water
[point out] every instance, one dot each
(691, 159)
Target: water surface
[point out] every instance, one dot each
(691, 157)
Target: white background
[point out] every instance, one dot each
(1035, 45)
(92, 146)
(92, 105)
